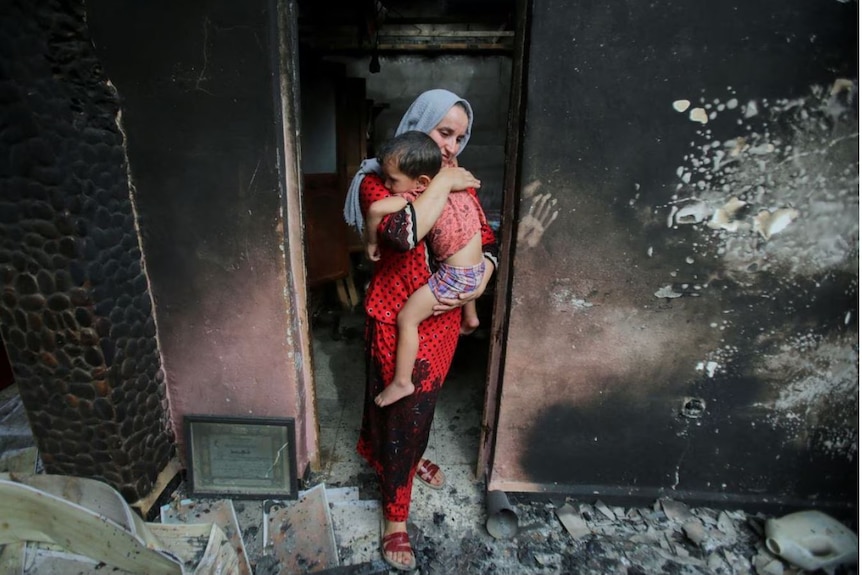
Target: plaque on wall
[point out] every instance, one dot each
(245, 457)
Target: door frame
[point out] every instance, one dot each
(505, 239)
(285, 66)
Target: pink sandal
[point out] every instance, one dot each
(397, 542)
(427, 471)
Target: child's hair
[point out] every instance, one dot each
(414, 152)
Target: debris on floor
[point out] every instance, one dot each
(18, 451)
(300, 534)
(357, 525)
(24, 460)
(568, 537)
(220, 513)
(573, 521)
(812, 540)
(332, 531)
(448, 528)
(57, 524)
(502, 520)
(670, 537)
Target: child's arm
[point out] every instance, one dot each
(376, 212)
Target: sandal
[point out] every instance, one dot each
(397, 542)
(427, 471)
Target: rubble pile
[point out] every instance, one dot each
(597, 539)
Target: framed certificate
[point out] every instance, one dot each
(246, 457)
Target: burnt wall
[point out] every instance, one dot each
(198, 93)
(76, 313)
(685, 288)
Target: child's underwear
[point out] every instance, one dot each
(449, 281)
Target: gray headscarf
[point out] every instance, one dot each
(424, 114)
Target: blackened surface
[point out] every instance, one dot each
(196, 85)
(602, 409)
(607, 74)
(197, 111)
(75, 313)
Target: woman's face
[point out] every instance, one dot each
(449, 134)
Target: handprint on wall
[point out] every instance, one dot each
(539, 217)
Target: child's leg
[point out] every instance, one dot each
(469, 318)
(419, 306)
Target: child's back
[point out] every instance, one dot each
(455, 238)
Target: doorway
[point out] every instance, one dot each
(359, 72)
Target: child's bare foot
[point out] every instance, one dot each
(469, 325)
(393, 392)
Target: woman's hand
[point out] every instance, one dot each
(458, 179)
(445, 305)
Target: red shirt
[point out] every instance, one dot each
(461, 219)
(404, 266)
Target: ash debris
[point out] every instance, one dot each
(667, 538)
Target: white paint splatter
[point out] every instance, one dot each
(709, 367)
(693, 213)
(667, 291)
(799, 165)
(565, 300)
(781, 198)
(670, 216)
(767, 223)
(681, 105)
(725, 216)
(764, 148)
(750, 109)
(821, 393)
(698, 115)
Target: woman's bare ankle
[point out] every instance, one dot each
(394, 526)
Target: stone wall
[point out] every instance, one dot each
(76, 314)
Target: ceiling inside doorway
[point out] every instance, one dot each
(407, 26)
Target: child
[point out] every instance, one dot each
(409, 162)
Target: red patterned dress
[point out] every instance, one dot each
(393, 438)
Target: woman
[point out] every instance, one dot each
(393, 438)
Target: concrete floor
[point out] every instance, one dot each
(339, 376)
(458, 508)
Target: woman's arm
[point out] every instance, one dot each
(429, 205)
(404, 229)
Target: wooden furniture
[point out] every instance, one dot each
(327, 254)
(329, 241)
